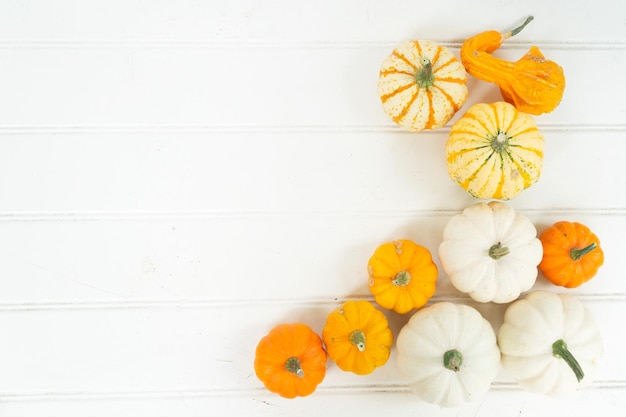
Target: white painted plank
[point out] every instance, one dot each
(327, 20)
(283, 172)
(329, 403)
(272, 87)
(235, 259)
(135, 352)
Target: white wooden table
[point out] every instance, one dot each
(177, 177)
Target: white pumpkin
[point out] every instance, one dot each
(448, 354)
(550, 343)
(491, 252)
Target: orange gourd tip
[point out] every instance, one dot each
(533, 84)
(571, 254)
(290, 360)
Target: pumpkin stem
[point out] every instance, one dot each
(452, 360)
(294, 366)
(497, 251)
(500, 142)
(519, 28)
(357, 338)
(559, 349)
(425, 77)
(576, 253)
(402, 279)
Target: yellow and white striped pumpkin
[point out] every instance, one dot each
(495, 151)
(421, 85)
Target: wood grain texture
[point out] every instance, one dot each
(178, 177)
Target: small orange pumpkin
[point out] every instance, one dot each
(290, 360)
(402, 275)
(571, 254)
(357, 337)
(533, 84)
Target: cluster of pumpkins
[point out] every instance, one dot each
(448, 353)
(494, 150)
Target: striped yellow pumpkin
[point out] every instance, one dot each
(495, 151)
(421, 85)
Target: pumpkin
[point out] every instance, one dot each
(290, 360)
(490, 252)
(549, 343)
(533, 84)
(357, 337)
(421, 85)
(494, 151)
(448, 354)
(571, 254)
(402, 275)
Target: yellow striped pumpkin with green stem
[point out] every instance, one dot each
(495, 151)
(421, 85)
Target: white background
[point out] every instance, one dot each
(178, 177)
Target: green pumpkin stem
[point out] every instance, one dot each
(497, 251)
(294, 366)
(401, 279)
(499, 142)
(519, 28)
(576, 253)
(559, 349)
(425, 77)
(357, 338)
(452, 360)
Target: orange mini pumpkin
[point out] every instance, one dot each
(571, 254)
(357, 337)
(402, 275)
(290, 360)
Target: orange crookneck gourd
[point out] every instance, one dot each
(533, 84)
